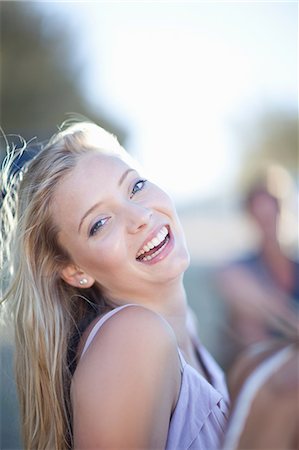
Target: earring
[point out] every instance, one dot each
(83, 281)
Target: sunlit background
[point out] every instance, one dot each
(184, 79)
(204, 94)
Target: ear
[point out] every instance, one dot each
(76, 277)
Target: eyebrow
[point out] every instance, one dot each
(96, 205)
(124, 175)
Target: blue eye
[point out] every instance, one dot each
(138, 186)
(96, 227)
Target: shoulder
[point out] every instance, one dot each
(132, 332)
(124, 326)
(259, 386)
(129, 375)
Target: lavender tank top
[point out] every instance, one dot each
(199, 419)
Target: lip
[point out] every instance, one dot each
(166, 250)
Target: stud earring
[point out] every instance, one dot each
(83, 281)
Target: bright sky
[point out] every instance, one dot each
(182, 77)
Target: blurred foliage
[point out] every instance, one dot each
(39, 78)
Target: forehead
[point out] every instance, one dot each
(94, 167)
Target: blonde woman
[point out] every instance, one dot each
(106, 350)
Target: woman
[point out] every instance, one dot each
(106, 351)
(261, 288)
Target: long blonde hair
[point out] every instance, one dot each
(46, 311)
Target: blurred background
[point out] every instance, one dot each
(205, 96)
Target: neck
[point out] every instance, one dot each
(172, 306)
(279, 264)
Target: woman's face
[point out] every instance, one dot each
(118, 228)
(265, 210)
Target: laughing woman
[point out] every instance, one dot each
(107, 355)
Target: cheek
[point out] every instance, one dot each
(105, 257)
(161, 200)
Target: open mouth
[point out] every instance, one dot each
(155, 246)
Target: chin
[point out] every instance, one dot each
(185, 261)
(180, 265)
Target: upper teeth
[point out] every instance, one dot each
(153, 242)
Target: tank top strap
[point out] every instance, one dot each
(183, 362)
(99, 323)
(107, 316)
(254, 382)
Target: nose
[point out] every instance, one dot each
(137, 217)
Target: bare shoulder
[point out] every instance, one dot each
(130, 375)
(129, 329)
(132, 334)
